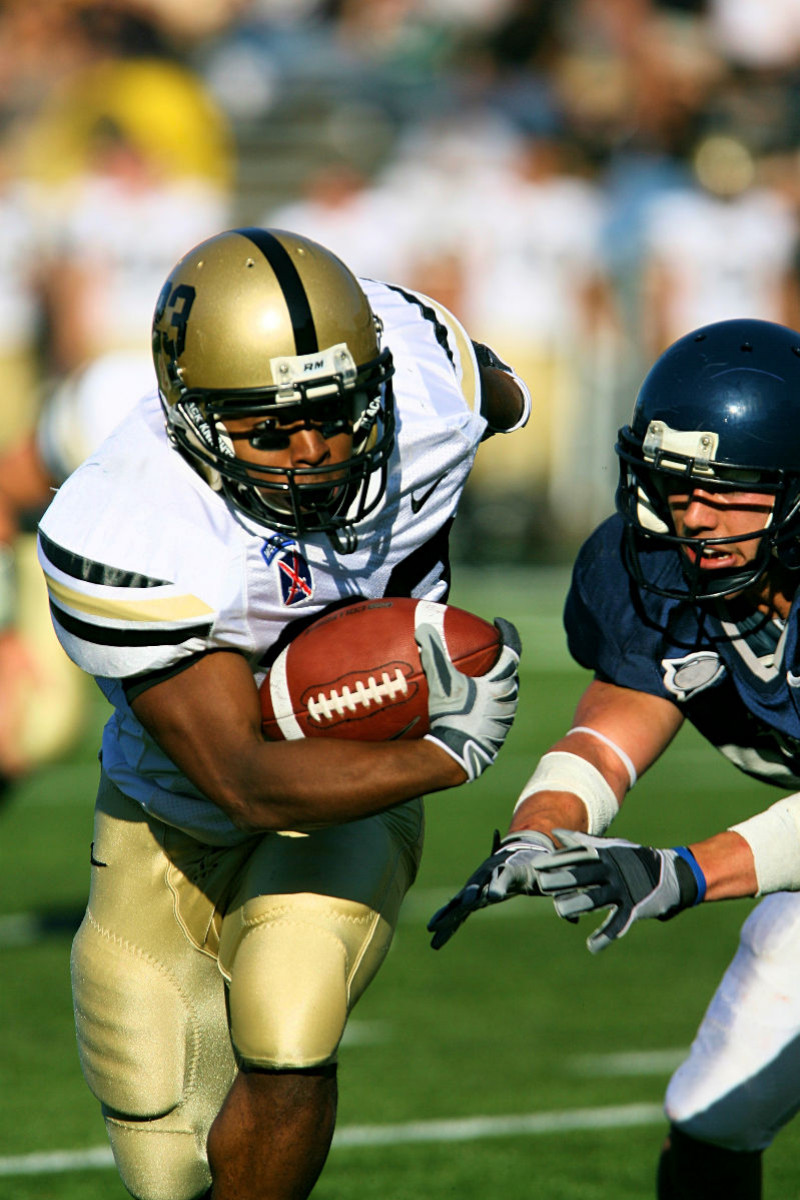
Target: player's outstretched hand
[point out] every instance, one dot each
(593, 873)
(510, 870)
(470, 716)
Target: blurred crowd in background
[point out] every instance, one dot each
(580, 181)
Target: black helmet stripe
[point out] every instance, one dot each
(305, 333)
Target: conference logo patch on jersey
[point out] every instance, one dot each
(295, 578)
(294, 573)
(685, 677)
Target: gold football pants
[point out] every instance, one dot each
(192, 957)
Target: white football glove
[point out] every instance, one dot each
(592, 873)
(510, 870)
(470, 717)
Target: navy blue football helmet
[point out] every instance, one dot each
(720, 407)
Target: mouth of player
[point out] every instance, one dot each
(712, 558)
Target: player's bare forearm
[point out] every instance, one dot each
(324, 782)
(726, 861)
(608, 720)
(208, 720)
(309, 782)
(546, 811)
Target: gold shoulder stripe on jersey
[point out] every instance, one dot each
(172, 608)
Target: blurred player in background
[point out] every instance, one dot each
(43, 697)
(683, 606)
(309, 445)
(99, 193)
(119, 226)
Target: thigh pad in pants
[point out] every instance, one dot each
(308, 930)
(149, 1008)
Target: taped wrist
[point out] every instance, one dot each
(774, 838)
(560, 771)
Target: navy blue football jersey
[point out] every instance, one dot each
(735, 675)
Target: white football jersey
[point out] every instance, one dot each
(146, 565)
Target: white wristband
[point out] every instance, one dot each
(560, 771)
(774, 838)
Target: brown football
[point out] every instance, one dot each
(356, 671)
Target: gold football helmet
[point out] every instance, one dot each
(261, 322)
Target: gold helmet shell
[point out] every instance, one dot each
(255, 322)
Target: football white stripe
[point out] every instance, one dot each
(281, 699)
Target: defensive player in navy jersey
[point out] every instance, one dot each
(308, 445)
(683, 606)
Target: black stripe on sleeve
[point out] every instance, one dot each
(439, 328)
(94, 572)
(102, 635)
(305, 333)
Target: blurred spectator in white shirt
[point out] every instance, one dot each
(723, 248)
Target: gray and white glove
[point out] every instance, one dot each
(510, 870)
(470, 716)
(593, 873)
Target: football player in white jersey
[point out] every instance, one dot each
(308, 445)
(684, 605)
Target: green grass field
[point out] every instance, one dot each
(565, 1056)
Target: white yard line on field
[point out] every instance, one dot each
(464, 1129)
(627, 1063)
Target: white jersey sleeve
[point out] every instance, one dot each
(138, 572)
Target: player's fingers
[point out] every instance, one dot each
(432, 651)
(509, 635)
(573, 904)
(615, 926)
(444, 923)
(463, 902)
(559, 877)
(445, 681)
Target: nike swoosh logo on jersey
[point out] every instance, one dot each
(418, 501)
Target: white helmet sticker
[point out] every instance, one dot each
(290, 369)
